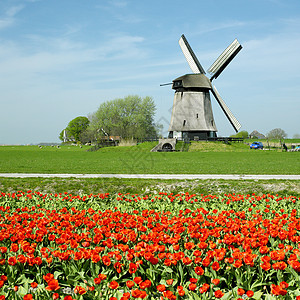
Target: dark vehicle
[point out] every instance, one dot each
(257, 145)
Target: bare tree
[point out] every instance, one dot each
(277, 133)
(296, 136)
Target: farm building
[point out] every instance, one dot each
(256, 135)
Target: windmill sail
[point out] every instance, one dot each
(232, 119)
(190, 56)
(224, 59)
(65, 136)
(192, 115)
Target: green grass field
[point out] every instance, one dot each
(229, 159)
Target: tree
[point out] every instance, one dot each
(61, 135)
(277, 133)
(242, 134)
(75, 129)
(129, 117)
(296, 136)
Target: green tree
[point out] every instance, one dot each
(65, 135)
(75, 128)
(242, 134)
(129, 117)
(277, 133)
(61, 135)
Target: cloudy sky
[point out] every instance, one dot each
(60, 59)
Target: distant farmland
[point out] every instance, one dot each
(233, 159)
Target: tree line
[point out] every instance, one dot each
(126, 118)
(276, 133)
(129, 117)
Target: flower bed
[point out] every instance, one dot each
(60, 246)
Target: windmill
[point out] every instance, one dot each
(192, 115)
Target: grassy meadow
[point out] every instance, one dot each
(202, 158)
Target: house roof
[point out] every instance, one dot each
(257, 134)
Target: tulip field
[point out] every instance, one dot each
(164, 246)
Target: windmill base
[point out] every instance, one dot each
(192, 135)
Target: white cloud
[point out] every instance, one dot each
(275, 55)
(8, 19)
(121, 12)
(123, 46)
(59, 52)
(118, 3)
(208, 28)
(6, 22)
(47, 74)
(128, 18)
(62, 63)
(12, 11)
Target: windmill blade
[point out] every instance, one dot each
(190, 56)
(224, 59)
(232, 119)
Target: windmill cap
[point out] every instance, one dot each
(192, 81)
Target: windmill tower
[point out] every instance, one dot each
(192, 115)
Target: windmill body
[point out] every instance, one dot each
(192, 115)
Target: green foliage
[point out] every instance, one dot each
(129, 117)
(75, 129)
(61, 135)
(242, 134)
(74, 223)
(152, 186)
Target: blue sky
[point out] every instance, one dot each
(60, 59)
